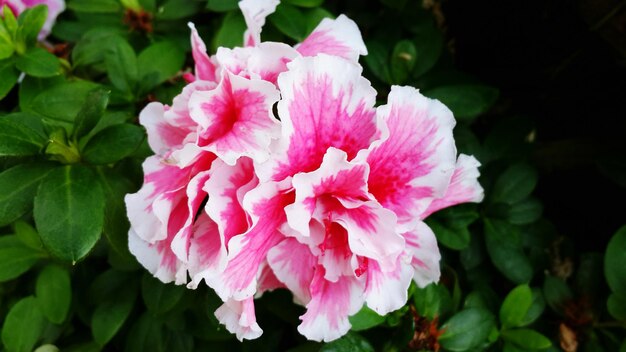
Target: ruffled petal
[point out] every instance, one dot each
(325, 103)
(464, 186)
(247, 252)
(207, 251)
(239, 318)
(205, 69)
(264, 61)
(386, 292)
(254, 13)
(158, 259)
(236, 118)
(415, 163)
(294, 265)
(331, 304)
(338, 37)
(422, 248)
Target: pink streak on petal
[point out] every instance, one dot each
(236, 118)
(326, 103)
(294, 265)
(254, 13)
(386, 292)
(415, 163)
(326, 318)
(207, 251)
(239, 318)
(422, 247)
(464, 186)
(267, 280)
(204, 68)
(338, 37)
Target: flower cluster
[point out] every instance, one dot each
(274, 169)
(55, 7)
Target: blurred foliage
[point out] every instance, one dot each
(70, 149)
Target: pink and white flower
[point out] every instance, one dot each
(326, 199)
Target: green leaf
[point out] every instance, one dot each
(6, 42)
(177, 9)
(38, 62)
(10, 22)
(453, 238)
(432, 301)
(403, 58)
(146, 335)
(29, 24)
(9, 77)
(160, 297)
(95, 6)
(614, 259)
(351, 342)
(466, 101)
(515, 184)
(536, 308)
(429, 43)
(116, 223)
(47, 348)
(527, 339)
(15, 257)
(23, 326)
(556, 293)
(159, 62)
(90, 112)
(365, 319)
(467, 329)
(305, 3)
(69, 211)
(19, 136)
(111, 314)
(122, 67)
(525, 212)
(616, 304)
(377, 60)
(222, 5)
(515, 306)
(27, 235)
(62, 102)
(505, 250)
(113, 144)
(54, 293)
(313, 18)
(290, 21)
(88, 50)
(18, 186)
(230, 33)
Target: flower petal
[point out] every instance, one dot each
(247, 252)
(158, 259)
(386, 292)
(331, 304)
(415, 162)
(294, 265)
(464, 186)
(254, 13)
(236, 118)
(325, 103)
(207, 251)
(205, 69)
(264, 61)
(422, 247)
(338, 37)
(239, 318)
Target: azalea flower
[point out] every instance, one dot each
(327, 199)
(55, 7)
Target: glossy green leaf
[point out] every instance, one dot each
(38, 62)
(27, 235)
(222, 5)
(616, 305)
(527, 339)
(289, 20)
(95, 6)
(230, 33)
(432, 301)
(18, 186)
(91, 112)
(403, 58)
(6, 42)
(146, 335)
(313, 18)
(19, 137)
(23, 326)
(122, 67)
(160, 297)
(15, 257)
(556, 293)
(116, 223)
(365, 319)
(88, 50)
(177, 9)
(614, 259)
(47, 348)
(351, 342)
(515, 184)
(429, 43)
(62, 102)
(29, 23)
(9, 77)
(465, 101)
(377, 60)
(515, 306)
(305, 3)
(467, 329)
(113, 144)
(54, 293)
(536, 308)
(159, 62)
(525, 212)
(505, 250)
(69, 211)
(111, 314)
